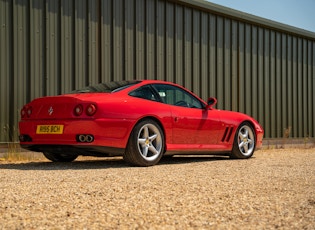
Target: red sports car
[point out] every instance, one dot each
(139, 120)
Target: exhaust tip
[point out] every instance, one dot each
(85, 138)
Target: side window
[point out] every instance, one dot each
(145, 93)
(173, 95)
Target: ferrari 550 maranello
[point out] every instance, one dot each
(139, 120)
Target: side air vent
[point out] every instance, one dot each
(227, 134)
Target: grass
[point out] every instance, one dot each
(14, 153)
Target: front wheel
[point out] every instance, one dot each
(146, 144)
(58, 157)
(244, 142)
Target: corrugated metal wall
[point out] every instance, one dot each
(49, 47)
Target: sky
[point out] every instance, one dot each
(297, 13)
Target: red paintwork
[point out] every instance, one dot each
(117, 113)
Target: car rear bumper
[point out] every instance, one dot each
(104, 132)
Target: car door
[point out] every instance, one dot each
(192, 124)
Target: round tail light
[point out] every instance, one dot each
(29, 111)
(91, 110)
(78, 110)
(23, 112)
(26, 112)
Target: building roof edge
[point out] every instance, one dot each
(252, 19)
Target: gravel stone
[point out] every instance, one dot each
(274, 189)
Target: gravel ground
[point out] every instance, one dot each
(274, 189)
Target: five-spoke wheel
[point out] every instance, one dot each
(244, 142)
(146, 144)
(149, 142)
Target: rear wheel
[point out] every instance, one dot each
(59, 157)
(146, 144)
(244, 142)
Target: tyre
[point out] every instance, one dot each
(58, 157)
(146, 144)
(244, 142)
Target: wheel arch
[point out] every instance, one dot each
(154, 119)
(253, 126)
(237, 125)
(252, 123)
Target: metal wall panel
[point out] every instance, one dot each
(227, 64)
(272, 89)
(80, 40)
(140, 39)
(289, 84)
(251, 65)
(253, 73)
(179, 44)
(37, 79)
(52, 48)
(66, 58)
(234, 65)
(312, 79)
(188, 78)
(20, 76)
(150, 40)
(204, 52)
(295, 81)
(247, 70)
(212, 55)
(169, 42)
(310, 90)
(196, 51)
(93, 42)
(160, 39)
(284, 100)
(5, 68)
(130, 61)
(117, 43)
(107, 37)
(260, 74)
(241, 68)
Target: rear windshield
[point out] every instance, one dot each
(109, 87)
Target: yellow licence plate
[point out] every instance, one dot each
(49, 129)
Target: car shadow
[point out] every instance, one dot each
(104, 163)
(188, 159)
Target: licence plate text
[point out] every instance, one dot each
(49, 129)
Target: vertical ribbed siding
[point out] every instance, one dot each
(179, 44)
(107, 37)
(92, 43)
(50, 47)
(19, 76)
(66, 58)
(37, 55)
(204, 56)
(169, 42)
(5, 67)
(150, 39)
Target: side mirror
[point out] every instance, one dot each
(212, 101)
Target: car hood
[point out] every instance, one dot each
(236, 118)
